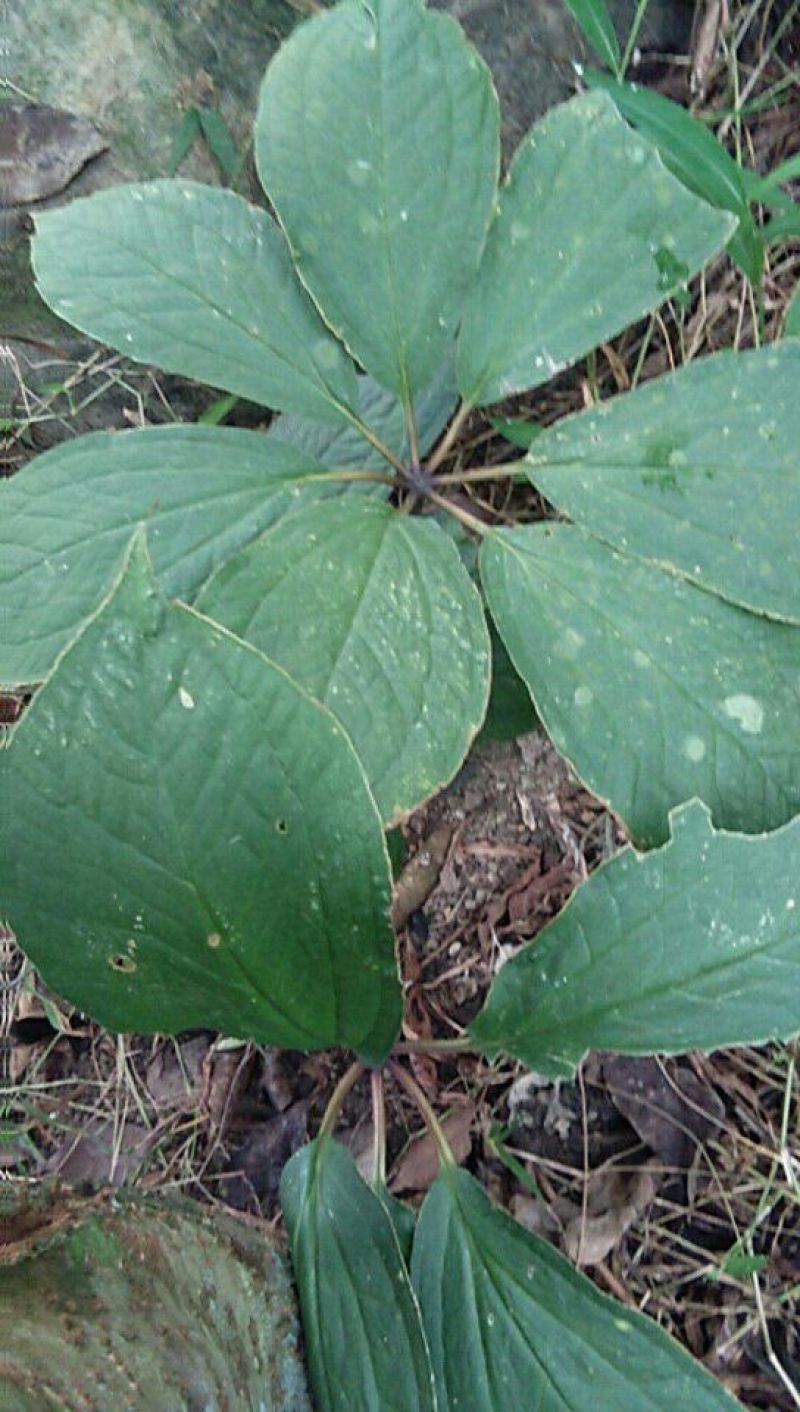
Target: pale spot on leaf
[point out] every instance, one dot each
(746, 711)
(694, 747)
(569, 645)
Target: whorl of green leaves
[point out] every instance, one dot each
(251, 658)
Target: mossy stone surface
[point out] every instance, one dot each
(132, 66)
(129, 1303)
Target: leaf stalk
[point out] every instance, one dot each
(505, 468)
(469, 521)
(420, 1101)
(346, 1082)
(379, 1129)
(450, 437)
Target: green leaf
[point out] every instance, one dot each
(218, 410)
(513, 1327)
(397, 849)
(495, 1141)
(373, 613)
(699, 471)
(66, 518)
(782, 227)
(194, 843)
(693, 947)
(695, 157)
(345, 446)
(510, 711)
(596, 26)
(364, 1341)
(791, 327)
(518, 432)
(219, 141)
(570, 260)
(384, 182)
(185, 138)
(195, 280)
(740, 1263)
(402, 1217)
(763, 188)
(653, 689)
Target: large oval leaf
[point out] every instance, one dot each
(193, 839)
(364, 1341)
(374, 613)
(571, 260)
(513, 1327)
(194, 279)
(693, 947)
(66, 519)
(346, 447)
(655, 690)
(699, 470)
(377, 142)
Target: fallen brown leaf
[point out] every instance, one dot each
(618, 1199)
(225, 1073)
(256, 1166)
(670, 1109)
(174, 1074)
(419, 1166)
(276, 1079)
(534, 1215)
(101, 1153)
(420, 875)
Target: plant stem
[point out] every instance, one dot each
(591, 375)
(466, 519)
(450, 437)
(344, 474)
(379, 1129)
(346, 1082)
(632, 38)
(499, 472)
(411, 433)
(769, 50)
(794, 1181)
(637, 372)
(370, 436)
(417, 1097)
(433, 1046)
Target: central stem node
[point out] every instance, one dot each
(418, 478)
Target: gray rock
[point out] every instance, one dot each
(131, 67)
(105, 87)
(531, 47)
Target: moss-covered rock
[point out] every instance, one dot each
(131, 1304)
(131, 66)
